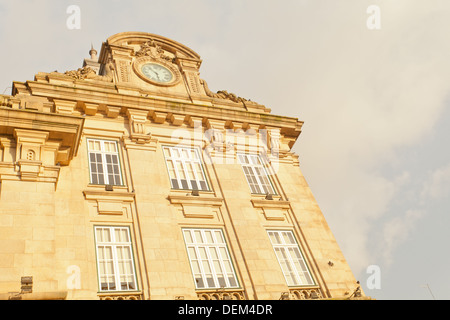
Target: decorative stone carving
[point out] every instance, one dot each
(29, 152)
(305, 294)
(137, 119)
(153, 50)
(216, 136)
(87, 72)
(223, 94)
(120, 297)
(221, 295)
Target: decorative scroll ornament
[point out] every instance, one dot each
(223, 94)
(88, 73)
(153, 50)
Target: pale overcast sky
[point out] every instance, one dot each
(375, 144)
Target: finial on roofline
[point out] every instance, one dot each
(93, 52)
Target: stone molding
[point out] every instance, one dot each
(197, 206)
(272, 209)
(109, 202)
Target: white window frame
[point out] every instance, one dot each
(117, 276)
(255, 173)
(104, 164)
(180, 168)
(291, 259)
(226, 276)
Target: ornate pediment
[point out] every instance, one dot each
(153, 50)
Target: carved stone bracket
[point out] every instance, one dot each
(37, 144)
(137, 122)
(29, 152)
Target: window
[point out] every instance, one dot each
(210, 261)
(185, 168)
(290, 258)
(256, 174)
(104, 162)
(114, 259)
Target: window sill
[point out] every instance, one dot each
(191, 199)
(189, 192)
(104, 186)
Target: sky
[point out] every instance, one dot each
(370, 79)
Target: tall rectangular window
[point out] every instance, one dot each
(256, 174)
(115, 263)
(104, 162)
(290, 258)
(185, 168)
(210, 260)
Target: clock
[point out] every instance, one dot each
(157, 73)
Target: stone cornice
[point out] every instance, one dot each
(65, 129)
(108, 94)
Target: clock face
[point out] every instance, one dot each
(157, 72)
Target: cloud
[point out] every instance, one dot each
(396, 231)
(437, 186)
(363, 96)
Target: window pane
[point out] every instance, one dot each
(198, 236)
(199, 282)
(195, 267)
(222, 283)
(209, 238)
(219, 237)
(192, 253)
(210, 281)
(213, 253)
(187, 236)
(202, 252)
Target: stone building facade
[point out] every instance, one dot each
(129, 179)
